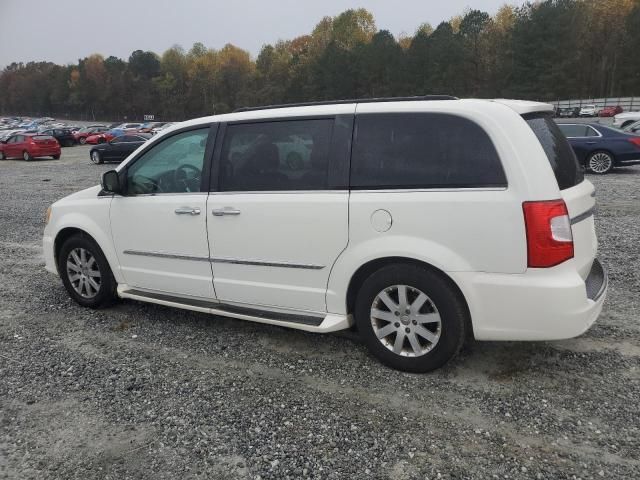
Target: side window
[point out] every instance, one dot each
(422, 150)
(591, 132)
(573, 131)
(279, 155)
(173, 165)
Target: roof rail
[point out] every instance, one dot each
(352, 100)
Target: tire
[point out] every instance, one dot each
(443, 313)
(2, 156)
(56, 157)
(600, 162)
(71, 266)
(96, 157)
(626, 124)
(27, 156)
(82, 140)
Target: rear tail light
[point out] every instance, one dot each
(635, 141)
(549, 237)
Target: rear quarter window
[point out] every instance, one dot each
(422, 150)
(561, 156)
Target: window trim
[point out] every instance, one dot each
(213, 128)
(432, 187)
(599, 135)
(339, 153)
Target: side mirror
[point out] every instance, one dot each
(111, 182)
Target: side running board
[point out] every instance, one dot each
(222, 308)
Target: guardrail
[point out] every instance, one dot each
(628, 104)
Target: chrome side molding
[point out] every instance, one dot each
(174, 256)
(235, 261)
(261, 263)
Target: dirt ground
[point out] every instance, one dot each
(144, 391)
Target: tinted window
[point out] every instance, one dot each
(173, 165)
(288, 155)
(559, 152)
(422, 150)
(572, 131)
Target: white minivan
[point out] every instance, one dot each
(421, 221)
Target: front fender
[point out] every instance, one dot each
(94, 222)
(354, 256)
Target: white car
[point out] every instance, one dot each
(421, 221)
(588, 111)
(625, 119)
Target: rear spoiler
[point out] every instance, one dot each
(523, 107)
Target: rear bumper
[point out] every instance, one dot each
(44, 152)
(541, 304)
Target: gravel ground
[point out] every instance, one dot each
(143, 391)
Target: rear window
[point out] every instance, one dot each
(422, 150)
(561, 157)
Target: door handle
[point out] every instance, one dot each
(187, 211)
(219, 212)
(591, 143)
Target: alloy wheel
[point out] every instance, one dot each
(95, 157)
(406, 321)
(83, 272)
(600, 162)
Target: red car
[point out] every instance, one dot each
(610, 111)
(82, 134)
(99, 138)
(29, 146)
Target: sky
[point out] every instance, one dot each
(63, 31)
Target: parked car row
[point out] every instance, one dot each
(68, 135)
(588, 111)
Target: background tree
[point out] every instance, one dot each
(544, 50)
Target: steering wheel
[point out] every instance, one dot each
(187, 176)
(145, 184)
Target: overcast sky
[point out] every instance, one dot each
(64, 30)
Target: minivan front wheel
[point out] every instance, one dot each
(410, 317)
(85, 272)
(600, 162)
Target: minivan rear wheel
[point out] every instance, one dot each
(600, 162)
(410, 317)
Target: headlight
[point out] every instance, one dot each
(47, 216)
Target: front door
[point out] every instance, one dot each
(278, 212)
(159, 226)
